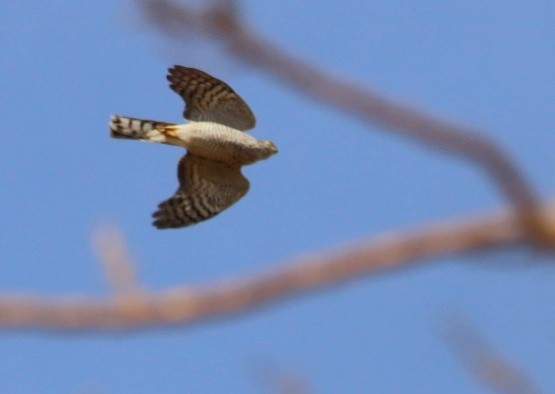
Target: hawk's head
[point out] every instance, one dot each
(268, 148)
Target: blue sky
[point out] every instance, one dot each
(67, 66)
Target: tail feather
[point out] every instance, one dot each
(141, 129)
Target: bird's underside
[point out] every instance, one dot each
(209, 175)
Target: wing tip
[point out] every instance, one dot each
(176, 68)
(162, 222)
(160, 225)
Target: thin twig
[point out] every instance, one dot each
(273, 378)
(483, 362)
(114, 258)
(185, 305)
(220, 20)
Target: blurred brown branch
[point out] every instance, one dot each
(273, 378)
(116, 263)
(220, 20)
(483, 362)
(190, 304)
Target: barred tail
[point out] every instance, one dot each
(132, 128)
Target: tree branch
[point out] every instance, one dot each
(191, 304)
(220, 20)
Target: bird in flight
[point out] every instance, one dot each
(209, 174)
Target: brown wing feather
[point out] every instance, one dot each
(206, 188)
(209, 99)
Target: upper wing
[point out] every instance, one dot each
(207, 187)
(209, 99)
